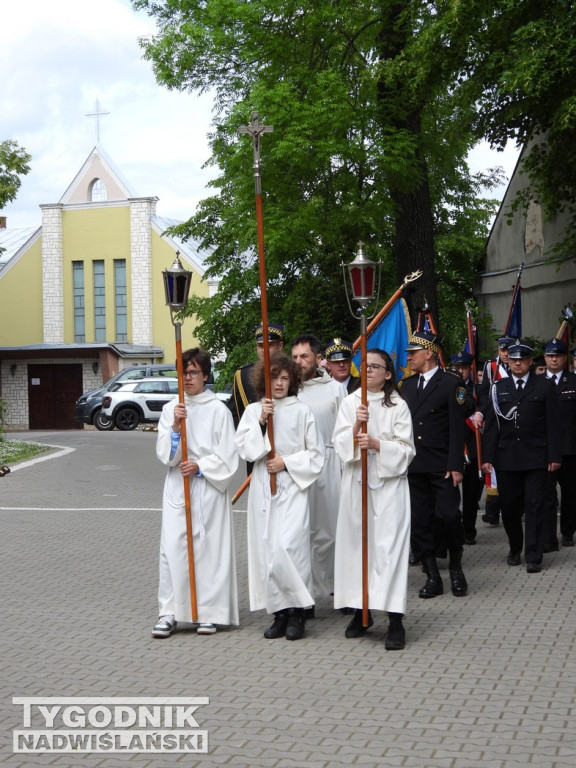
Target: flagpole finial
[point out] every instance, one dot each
(410, 278)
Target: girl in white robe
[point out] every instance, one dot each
(390, 444)
(212, 462)
(279, 565)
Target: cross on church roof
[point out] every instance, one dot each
(97, 114)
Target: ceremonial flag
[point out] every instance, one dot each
(392, 334)
(564, 330)
(514, 324)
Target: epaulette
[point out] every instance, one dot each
(453, 373)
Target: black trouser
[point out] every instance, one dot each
(523, 493)
(472, 487)
(432, 495)
(566, 479)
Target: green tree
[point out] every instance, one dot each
(520, 68)
(369, 144)
(14, 163)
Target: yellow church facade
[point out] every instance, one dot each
(82, 296)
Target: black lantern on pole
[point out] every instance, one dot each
(364, 279)
(176, 288)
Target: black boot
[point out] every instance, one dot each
(355, 628)
(434, 585)
(396, 637)
(296, 624)
(278, 628)
(457, 578)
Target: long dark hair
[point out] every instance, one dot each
(278, 363)
(390, 385)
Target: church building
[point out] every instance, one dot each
(82, 295)
(526, 236)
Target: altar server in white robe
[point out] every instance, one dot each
(390, 444)
(212, 462)
(323, 395)
(279, 566)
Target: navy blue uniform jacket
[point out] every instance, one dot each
(438, 419)
(533, 438)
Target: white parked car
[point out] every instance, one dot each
(137, 402)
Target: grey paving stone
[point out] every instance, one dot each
(486, 681)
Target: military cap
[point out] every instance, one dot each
(424, 340)
(338, 350)
(462, 358)
(505, 341)
(519, 350)
(275, 332)
(556, 347)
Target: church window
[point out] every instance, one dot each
(98, 191)
(78, 287)
(120, 296)
(99, 301)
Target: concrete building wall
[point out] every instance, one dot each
(526, 236)
(141, 211)
(52, 275)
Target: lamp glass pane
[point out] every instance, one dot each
(369, 272)
(356, 282)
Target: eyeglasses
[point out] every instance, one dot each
(374, 367)
(191, 374)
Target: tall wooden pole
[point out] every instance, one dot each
(364, 458)
(472, 351)
(255, 129)
(186, 478)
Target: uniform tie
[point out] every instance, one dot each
(420, 386)
(519, 385)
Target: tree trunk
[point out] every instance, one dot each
(414, 247)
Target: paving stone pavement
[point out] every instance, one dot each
(485, 681)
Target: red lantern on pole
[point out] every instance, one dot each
(364, 280)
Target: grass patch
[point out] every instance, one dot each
(12, 451)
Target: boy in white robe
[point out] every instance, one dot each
(212, 462)
(279, 565)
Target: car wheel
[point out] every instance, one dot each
(127, 419)
(102, 422)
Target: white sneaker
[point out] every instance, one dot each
(206, 629)
(164, 626)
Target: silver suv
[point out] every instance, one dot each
(88, 407)
(135, 402)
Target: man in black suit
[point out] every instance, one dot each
(437, 401)
(243, 391)
(338, 356)
(556, 356)
(523, 441)
(493, 371)
(472, 482)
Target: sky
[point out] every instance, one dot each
(58, 58)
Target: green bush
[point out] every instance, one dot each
(3, 413)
